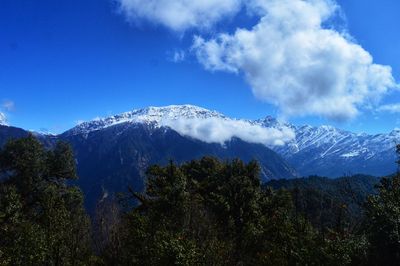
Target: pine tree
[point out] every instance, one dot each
(42, 219)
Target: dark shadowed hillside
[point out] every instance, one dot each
(112, 158)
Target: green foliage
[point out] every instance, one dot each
(383, 222)
(330, 203)
(203, 212)
(208, 212)
(42, 220)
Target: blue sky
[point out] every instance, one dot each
(65, 61)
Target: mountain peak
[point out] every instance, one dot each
(269, 121)
(176, 111)
(149, 115)
(3, 120)
(272, 122)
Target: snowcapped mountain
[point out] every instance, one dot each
(3, 119)
(115, 152)
(326, 150)
(323, 150)
(191, 121)
(155, 116)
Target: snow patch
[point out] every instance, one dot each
(3, 119)
(350, 154)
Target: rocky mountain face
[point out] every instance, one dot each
(332, 152)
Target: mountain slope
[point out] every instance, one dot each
(329, 151)
(156, 116)
(114, 157)
(322, 150)
(7, 133)
(115, 151)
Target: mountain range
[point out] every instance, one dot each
(329, 151)
(115, 151)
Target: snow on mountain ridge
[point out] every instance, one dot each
(195, 122)
(331, 151)
(3, 119)
(323, 150)
(310, 143)
(150, 115)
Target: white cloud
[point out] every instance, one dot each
(291, 58)
(8, 105)
(292, 61)
(179, 56)
(179, 15)
(391, 108)
(217, 130)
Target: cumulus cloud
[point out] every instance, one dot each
(179, 15)
(391, 108)
(290, 59)
(217, 130)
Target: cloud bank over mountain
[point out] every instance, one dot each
(292, 57)
(195, 122)
(217, 130)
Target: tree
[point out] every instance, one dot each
(383, 221)
(42, 219)
(208, 212)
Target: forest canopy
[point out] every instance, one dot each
(202, 212)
